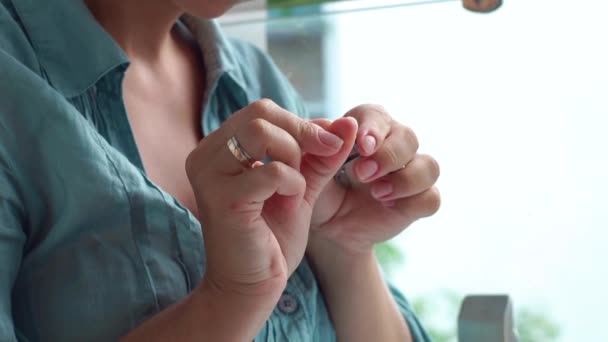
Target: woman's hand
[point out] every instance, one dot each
(256, 220)
(395, 187)
(392, 186)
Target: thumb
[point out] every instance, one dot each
(319, 170)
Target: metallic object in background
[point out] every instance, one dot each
(482, 6)
(486, 319)
(345, 175)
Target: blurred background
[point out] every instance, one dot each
(514, 106)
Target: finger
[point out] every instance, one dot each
(319, 170)
(311, 138)
(396, 151)
(259, 139)
(274, 192)
(257, 185)
(324, 123)
(374, 126)
(418, 206)
(418, 176)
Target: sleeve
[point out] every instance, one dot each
(418, 332)
(12, 240)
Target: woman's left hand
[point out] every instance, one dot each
(395, 187)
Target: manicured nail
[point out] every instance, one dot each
(368, 144)
(329, 139)
(381, 189)
(366, 169)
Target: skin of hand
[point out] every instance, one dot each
(256, 220)
(395, 187)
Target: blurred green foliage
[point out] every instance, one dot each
(389, 256)
(534, 326)
(438, 311)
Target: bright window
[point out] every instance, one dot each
(514, 105)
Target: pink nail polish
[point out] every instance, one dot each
(366, 169)
(368, 144)
(381, 189)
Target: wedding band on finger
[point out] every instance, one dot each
(239, 153)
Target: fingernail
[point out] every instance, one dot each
(381, 189)
(367, 169)
(329, 139)
(368, 144)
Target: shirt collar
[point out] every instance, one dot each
(218, 54)
(75, 51)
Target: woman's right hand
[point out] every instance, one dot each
(256, 220)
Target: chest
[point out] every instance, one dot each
(108, 249)
(165, 134)
(165, 120)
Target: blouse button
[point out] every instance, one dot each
(288, 304)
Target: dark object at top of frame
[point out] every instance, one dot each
(482, 6)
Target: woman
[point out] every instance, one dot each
(103, 103)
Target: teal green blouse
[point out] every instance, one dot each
(90, 247)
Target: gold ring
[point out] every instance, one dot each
(239, 153)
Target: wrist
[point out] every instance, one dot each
(209, 315)
(222, 311)
(243, 299)
(353, 287)
(347, 254)
(339, 262)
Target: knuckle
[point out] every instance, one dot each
(192, 163)
(259, 128)
(433, 201)
(391, 156)
(432, 166)
(301, 181)
(410, 138)
(263, 106)
(276, 170)
(370, 107)
(306, 129)
(262, 133)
